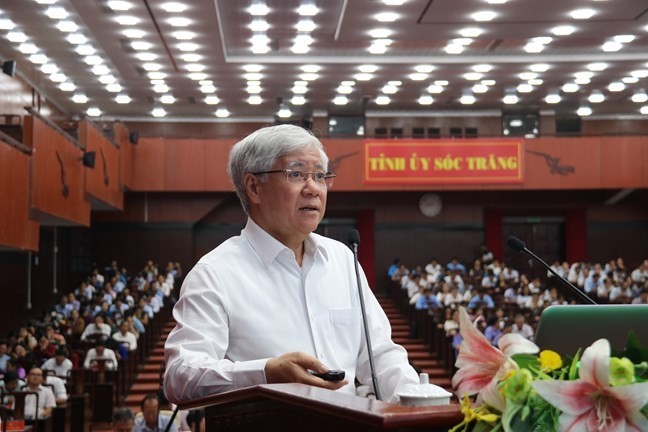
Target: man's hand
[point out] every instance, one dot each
(293, 368)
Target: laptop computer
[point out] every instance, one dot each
(566, 328)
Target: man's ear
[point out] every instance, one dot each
(252, 187)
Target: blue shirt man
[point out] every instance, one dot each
(481, 299)
(427, 301)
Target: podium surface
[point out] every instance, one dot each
(300, 407)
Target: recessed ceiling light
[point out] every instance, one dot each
(596, 97)
(67, 86)
(303, 39)
(258, 8)
(222, 113)
(260, 49)
(151, 66)
(375, 48)
(6, 24)
(584, 75)
(184, 35)
(67, 26)
(85, 50)
(141, 45)
(616, 86)
(641, 73)
(77, 39)
(363, 76)
(380, 33)
(624, 38)
(389, 89)
(167, 99)
(195, 67)
(425, 100)
(297, 89)
(582, 13)
(483, 16)
(161, 88)
(611, 46)
(253, 89)
(158, 112)
(533, 47)
(157, 81)
(484, 68)
(597, 67)
(100, 69)
(119, 5)
(462, 41)
(252, 68)
(383, 100)
(417, 76)
(535, 82)
(49, 68)
(126, 20)
(46, 2)
(38, 58)
(191, 57)
(146, 56)
(197, 76)
(467, 99)
(307, 9)
(644, 110)
(27, 48)
(311, 68)
(344, 89)
(156, 75)
(424, 68)
(134, 33)
(367, 68)
(207, 89)
(93, 112)
(630, 80)
(179, 21)
(470, 32)
(454, 49)
(107, 79)
(584, 111)
(56, 12)
(308, 76)
(524, 88)
(252, 76)
(259, 25)
(640, 97)
(435, 89)
(284, 111)
(93, 60)
(563, 30)
(539, 67)
(570, 88)
(187, 46)
(553, 98)
(473, 76)
(394, 2)
(526, 76)
(479, 88)
(255, 100)
(387, 17)
(16, 37)
(305, 25)
(122, 99)
(510, 99)
(79, 98)
(340, 100)
(348, 83)
(544, 40)
(298, 100)
(114, 87)
(174, 7)
(486, 82)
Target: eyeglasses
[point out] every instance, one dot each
(299, 177)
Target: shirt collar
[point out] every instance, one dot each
(268, 247)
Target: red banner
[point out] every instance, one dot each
(456, 161)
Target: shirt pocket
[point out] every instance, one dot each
(346, 325)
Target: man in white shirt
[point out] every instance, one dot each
(522, 328)
(58, 387)
(46, 400)
(97, 327)
(126, 337)
(100, 352)
(59, 365)
(277, 301)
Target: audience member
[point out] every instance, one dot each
(46, 400)
(60, 365)
(521, 327)
(100, 352)
(97, 328)
(123, 420)
(125, 337)
(152, 419)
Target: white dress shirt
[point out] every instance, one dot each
(129, 338)
(45, 400)
(108, 355)
(59, 370)
(248, 300)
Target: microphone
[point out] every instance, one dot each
(354, 241)
(518, 245)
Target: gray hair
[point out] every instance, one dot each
(258, 152)
(122, 415)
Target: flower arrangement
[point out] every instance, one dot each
(519, 388)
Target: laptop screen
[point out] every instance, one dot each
(566, 328)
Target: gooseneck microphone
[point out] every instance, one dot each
(354, 241)
(519, 246)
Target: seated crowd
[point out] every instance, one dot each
(92, 327)
(499, 299)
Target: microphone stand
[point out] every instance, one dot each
(374, 379)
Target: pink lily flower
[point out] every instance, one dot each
(482, 366)
(590, 403)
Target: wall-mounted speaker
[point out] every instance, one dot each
(9, 67)
(133, 137)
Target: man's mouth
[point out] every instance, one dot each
(308, 209)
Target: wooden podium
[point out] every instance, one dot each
(299, 407)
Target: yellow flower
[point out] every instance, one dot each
(550, 360)
(480, 413)
(621, 371)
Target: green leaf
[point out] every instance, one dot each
(633, 350)
(526, 361)
(573, 369)
(509, 413)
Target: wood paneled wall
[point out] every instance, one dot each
(104, 181)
